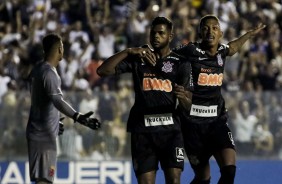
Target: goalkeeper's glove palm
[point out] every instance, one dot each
(85, 120)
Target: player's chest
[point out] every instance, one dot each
(162, 70)
(203, 63)
(207, 71)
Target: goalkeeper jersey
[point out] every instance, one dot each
(155, 107)
(43, 122)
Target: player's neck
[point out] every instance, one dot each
(52, 61)
(210, 50)
(164, 52)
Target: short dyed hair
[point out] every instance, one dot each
(207, 17)
(49, 41)
(162, 20)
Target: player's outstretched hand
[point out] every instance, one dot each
(257, 29)
(85, 120)
(61, 126)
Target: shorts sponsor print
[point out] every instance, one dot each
(158, 119)
(203, 111)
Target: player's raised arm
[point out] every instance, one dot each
(108, 66)
(236, 44)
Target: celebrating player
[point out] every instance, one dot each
(205, 129)
(153, 120)
(46, 104)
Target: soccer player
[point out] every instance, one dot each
(46, 104)
(205, 129)
(153, 121)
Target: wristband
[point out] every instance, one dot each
(76, 116)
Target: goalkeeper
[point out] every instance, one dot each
(46, 104)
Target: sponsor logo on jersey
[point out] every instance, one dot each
(179, 154)
(210, 79)
(201, 51)
(219, 60)
(171, 57)
(149, 75)
(201, 58)
(158, 119)
(206, 70)
(167, 67)
(203, 111)
(157, 84)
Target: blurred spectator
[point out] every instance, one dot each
(70, 142)
(4, 81)
(112, 144)
(89, 101)
(77, 33)
(137, 27)
(119, 131)
(100, 152)
(225, 10)
(244, 124)
(91, 68)
(263, 140)
(68, 68)
(107, 104)
(106, 44)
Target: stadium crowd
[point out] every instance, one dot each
(93, 30)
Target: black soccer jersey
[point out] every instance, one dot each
(207, 72)
(155, 102)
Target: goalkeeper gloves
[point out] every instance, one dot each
(85, 120)
(61, 126)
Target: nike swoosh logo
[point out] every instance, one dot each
(200, 58)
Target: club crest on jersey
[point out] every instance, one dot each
(219, 60)
(167, 67)
(51, 171)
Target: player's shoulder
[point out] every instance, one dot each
(175, 57)
(47, 71)
(184, 46)
(223, 46)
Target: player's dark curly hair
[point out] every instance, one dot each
(49, 41)
(162, 20)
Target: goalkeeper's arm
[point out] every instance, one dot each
(67, 109)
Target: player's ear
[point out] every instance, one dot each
(60, 50)
(221, 34)
(171, 37)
